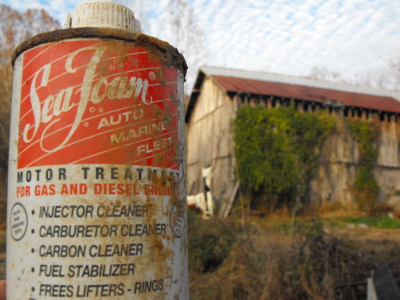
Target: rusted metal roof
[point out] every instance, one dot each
(238, 81)
(374, 102)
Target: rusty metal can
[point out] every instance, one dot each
(96, 196)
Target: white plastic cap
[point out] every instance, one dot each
(103, 13)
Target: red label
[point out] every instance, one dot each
(97, 102)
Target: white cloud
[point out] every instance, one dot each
(290, 37)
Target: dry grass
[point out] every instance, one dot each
(260, 265)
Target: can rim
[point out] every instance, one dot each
(172, 56)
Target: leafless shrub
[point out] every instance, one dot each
(306, 267)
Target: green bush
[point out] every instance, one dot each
(277, 150)
(366, 187)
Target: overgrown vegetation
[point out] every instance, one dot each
(277, 151)
(209, 244)
(366, 187)
(260, 264)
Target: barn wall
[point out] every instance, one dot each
(210, 141)
(388, 170)
(338, 164)
(337, 167)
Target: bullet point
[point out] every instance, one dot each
(33, 250)
(33, 211)
(33, 270)
(33, 230)
(33, 289)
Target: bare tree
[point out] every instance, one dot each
(140, 11)
(179, 26)
(183, 30)
(392, 79)
(387, 78)
(323, 73)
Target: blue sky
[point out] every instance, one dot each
(285, 37)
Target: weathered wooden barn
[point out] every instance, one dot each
(218, 93)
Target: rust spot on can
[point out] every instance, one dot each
(160, 50)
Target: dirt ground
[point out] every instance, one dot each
(363, 234)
